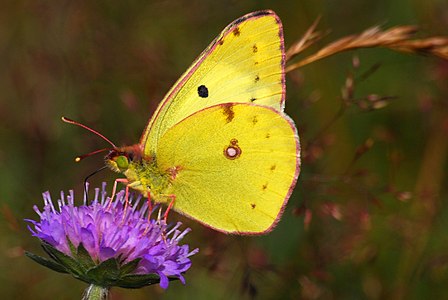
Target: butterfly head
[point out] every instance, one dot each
(119, 159)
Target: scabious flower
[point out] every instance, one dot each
(109, 244)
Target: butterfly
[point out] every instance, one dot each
(219, 148)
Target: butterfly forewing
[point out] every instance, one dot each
(235, 171)
(245, 63)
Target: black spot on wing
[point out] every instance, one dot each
(202, 91)
(253, 205)
(264, 186)
(257, 78)
(273, 167)
(236, 32)
(253, 99)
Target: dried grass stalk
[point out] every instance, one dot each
(397, 38)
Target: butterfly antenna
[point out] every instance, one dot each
(87, 178)
(81, 157)
(69, 121)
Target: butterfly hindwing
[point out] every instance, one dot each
(245, 63)
(233, 166)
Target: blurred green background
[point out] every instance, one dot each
(368, 218)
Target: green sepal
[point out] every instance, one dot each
(129, 267)
(46, 263)
(106, 273)
(136, 281)
(71, 247)
(69, 263)
(84, 259)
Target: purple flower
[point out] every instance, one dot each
(110, 243)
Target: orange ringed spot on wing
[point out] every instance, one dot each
(232, 151)
(236, 31)
(228, 112)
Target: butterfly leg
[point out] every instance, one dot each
(126, 201)
(149, 205)
(114, 190)
(173, 198)
(150, 208)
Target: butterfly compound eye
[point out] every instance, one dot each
(122, 162)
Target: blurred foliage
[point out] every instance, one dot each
(368, 218)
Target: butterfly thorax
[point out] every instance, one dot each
(141, 171)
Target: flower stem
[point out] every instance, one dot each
(95, 292)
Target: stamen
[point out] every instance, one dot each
(183, 234)
(103, 192)
(193, 252)
(137, 202)
(174, 228)
(36, 209)
(86, 191)
(62, 195)
(72, 197)
(46, 196)
(95, 199)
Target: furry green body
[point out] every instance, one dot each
(143, 173)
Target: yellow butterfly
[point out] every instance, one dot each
(219, 147)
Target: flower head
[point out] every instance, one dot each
(110, 243)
